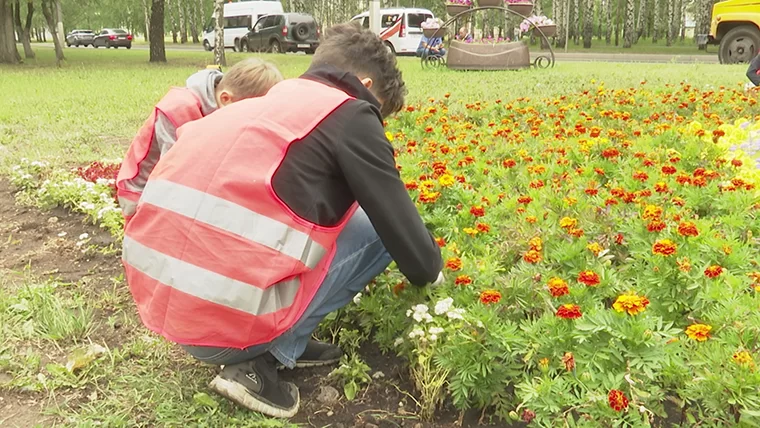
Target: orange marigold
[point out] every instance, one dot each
(618, 400)
(441, 242)
(576, 232)
(713, 271)
(568, 223)
(698, 332)
(558, 287)
(483, 228)
(744, 359)
(630, 303)
(429, 197)
(463, 280)
(688, 228)
(532, 256)
(524, 200)
(589, 278)
(661, 187)
(652, 212)
(656, 226)
(454, 263)
(569, 361)
(684, 265)
(569, 311)
(664, 247)
(535, 243)
(641, 176)
(490, 296)
(595, 248)
(478, 211)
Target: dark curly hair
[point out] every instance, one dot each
(350, 48)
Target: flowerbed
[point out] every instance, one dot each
(600, 255)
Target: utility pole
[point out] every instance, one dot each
(374, 16)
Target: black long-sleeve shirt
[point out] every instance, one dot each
(753, 73)
(347, 158)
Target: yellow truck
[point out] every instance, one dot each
(735, 27)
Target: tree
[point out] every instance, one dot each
(608, 20)
(157, 45)
(182, 22)
(641, 24)
(629, 28)
(656, 19)
(51, 11)
(588, 24)
(146, 5)
(25, 30)
(669, 33)
(8, 52)
(219, 58)
(575, 19)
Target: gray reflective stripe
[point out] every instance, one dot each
(128, 207)
(235, 219)
(207, 285)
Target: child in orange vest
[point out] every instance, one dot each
(205, 92)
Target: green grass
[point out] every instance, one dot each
(90, 109)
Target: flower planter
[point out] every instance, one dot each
(523, 9)
(476, 56)
(430, 32)
(548, 30)
(487, 3)
(456, 9)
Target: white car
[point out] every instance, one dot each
(400, 28)
(239, 18)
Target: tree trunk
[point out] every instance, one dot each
(656, 21)
(182, 22)
(608, 20)
(588, 24)
(50, 11)
(629, 30)
(16, 7)
(146, 14)
(703, 16)
(670, 18)
(642, 20)
(575, 20)
(560, 12)
(157, 45)
(618, 20)
(219, 58)
(682, 19)
(8, 51)
(27, 33)
(59, 24)
(194, 12)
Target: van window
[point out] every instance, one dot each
(415, 20)
(388, 20)
(237, 21)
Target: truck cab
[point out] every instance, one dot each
(735, 27)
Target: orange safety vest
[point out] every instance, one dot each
(212, 256)
(180, 106)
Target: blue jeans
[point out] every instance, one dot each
(360, 257)
(441, 52)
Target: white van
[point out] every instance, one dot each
(239, 17)
(401, 28)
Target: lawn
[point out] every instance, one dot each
(515, 172)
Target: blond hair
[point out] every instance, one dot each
(250, 78)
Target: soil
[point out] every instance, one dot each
(31, 243)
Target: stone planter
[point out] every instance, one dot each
(477, 56)
(524, 9)
(456, 9)
(487, 3)
(548, 30)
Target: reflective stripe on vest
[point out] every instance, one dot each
(233, 218)
(195, 281)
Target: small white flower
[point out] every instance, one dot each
(642, 409)
(398, 342)
(436, 330)
(83, 236)
(433, 337)
(479, 323)
(358, 298)
(443, 306)
(87, 206)
(420, 308)
(102, 181)
(418, 316)
(455, 314)
(408, 312)
(62, 234)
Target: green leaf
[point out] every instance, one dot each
(350, 389)
(205, 400)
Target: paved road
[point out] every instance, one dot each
(559, 56)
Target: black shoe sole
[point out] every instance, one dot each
(240, 395)
(305, 364)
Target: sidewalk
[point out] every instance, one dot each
(628, 58)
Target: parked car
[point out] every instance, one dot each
(400, 28)
(239, 17)
(80, 38)
(113, 38)
(282, 32)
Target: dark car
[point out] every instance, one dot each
(282, 32)
(80, 38)
(113, 38)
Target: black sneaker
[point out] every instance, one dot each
(317, 354)
(254, 385)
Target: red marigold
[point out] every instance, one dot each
(619, 239)
(688, 228)
(591, 191)
(454, 263)
(532, 256)
(524, 200)
(713, 271)
(664, 247)
(618, 400)
(737, 163)
(509, 163)
(463, 280)
(610, 153)
(483, 228)
(478, 211)
(589, 278)
(576, 232)
(569, 311)
(411, 185)
(490, 296)
(536, 184)
(661, 187)
(440, 241)
(669, 169)
(558, 287)
(641, 176)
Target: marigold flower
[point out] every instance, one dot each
(610, 153)
(619, 239)
(478, 211)
(576, 232)
(569, 311)
(661, 187)
(568, 223)
(727, 250)
(490, 296)
(652, 212)
(744, 359)
(446, 180)
(589, 278)
(570, 201)
(441, 242)
(558, 287)
(532, 256)
(429, 197)
(398, 288)
(454, 263)
(656, 226)
(411, 185)
(524, 200)
(536, 184)
(470, 231)
(509, 163)
(531, 219)
(630, 303)
(698, 332)
(641, 176)
(684, 265)
(569, 361)
(595, 248)
(713, 271)
(688, 228)
(483, 228)
(535, 243)
(618, 400)
(669, 170)
(463, 280)
(664, 247)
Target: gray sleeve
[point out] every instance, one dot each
(164, 134)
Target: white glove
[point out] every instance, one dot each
(438, 281)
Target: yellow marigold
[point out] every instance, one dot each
(652, 212)
(684, 265)
(470, 231)
(446, 180)
(744, 358)
(535, 243)
(569, 200)
(568, 223)
(532, 256)
(594, 248)
(631, 303)
(664, 247)
(389, 136)
(698, 332)
(427, 184)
